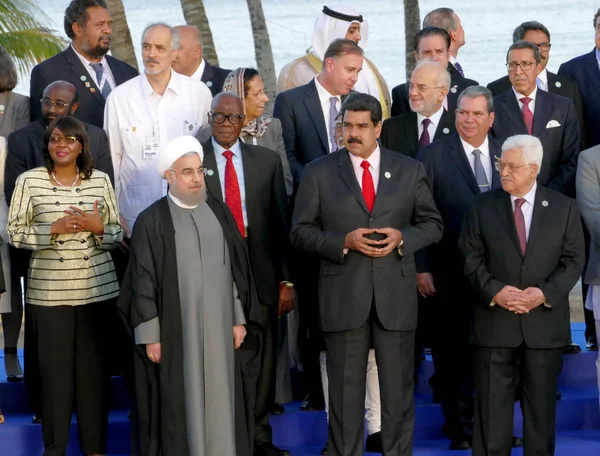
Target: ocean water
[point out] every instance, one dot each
(488, 28)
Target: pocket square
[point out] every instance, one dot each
(552, 124)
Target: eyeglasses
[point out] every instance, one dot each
(55, 139)
(525, 66)
(501, 166)
(420, 87)
(219, 117)
(56, 104)
(189, 172)
(545, 46)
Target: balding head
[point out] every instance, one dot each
(59, 99)
(429, 85)
(189, 53)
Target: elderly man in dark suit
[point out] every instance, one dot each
(524, 252)
(364, 211)
(427, 120)
(85, 63)
(432, 43)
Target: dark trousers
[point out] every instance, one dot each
(347, 354)
(590, 325)
(72, 344)
(247, 364)
(496, 384)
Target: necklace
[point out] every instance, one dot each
(60, 184)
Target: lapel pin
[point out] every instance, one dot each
(209, 84)
(92, 89)
(387, 175)
(133, 129)
(453, 89)
(446, 131)
(83, 78)
(87, 84)
(558, 84)
(210, 172)
(545, 203)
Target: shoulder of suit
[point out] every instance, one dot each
(400, 88)
(113, 62)
(93, 129)
(401, 159)
(295, 92)
(264, 152)
(576, 61)
(398, 120)
(57, 59)
(554, 197)
(97, 174)
(591, 154)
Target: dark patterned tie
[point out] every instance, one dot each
(424, 139)
(527, 114)
(520, 224)
(459, 68)
(233, 197)
(99, 69)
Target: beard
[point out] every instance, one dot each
(97, 51)
(193, 199)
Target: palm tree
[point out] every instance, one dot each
(195, 14)
(262, 50)
(121, 45)
(24, 35)
(412, 24)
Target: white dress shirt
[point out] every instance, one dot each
(374, 162)
(136, 115)
(543, 77)
(324, 98)
(432, 128)
(526, 208)
(532, 95)
(486, 159)
(198, 73)
(109, 78)
(238, 164)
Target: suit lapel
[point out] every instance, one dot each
(114, 64)
(592, 70)
(495, 151)
(383, 185)
(505, 210)
(411, 132)
(207, 74)
(349, 177)
(542, 113)
(213, 183)
(538, 219)
(510, 105)
(251, 177)
(445, 127)
(313, 106)
(80, 72)
(457, 153)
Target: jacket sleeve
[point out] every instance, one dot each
(284, 111)
(113, 231)
(14, 166)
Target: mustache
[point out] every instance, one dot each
(354, 140)
(150, 60)
(105, 37)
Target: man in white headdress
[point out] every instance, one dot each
(336, 21)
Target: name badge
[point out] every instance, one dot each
(151, 148)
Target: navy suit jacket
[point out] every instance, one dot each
(560, 143)
(303, 126)
(66, 66)
(584, 71)
(214, 77)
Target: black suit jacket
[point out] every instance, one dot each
(584, 71)
(66, 66)
(560, 143)
(214, 77)
(553, 262)
(266, 207)
(401, 133)
(330, 204)
(25, 152)
(400, 102)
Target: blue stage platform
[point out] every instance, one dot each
(304, 433)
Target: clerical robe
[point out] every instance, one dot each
(179, 291)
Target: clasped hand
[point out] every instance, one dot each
(356, 240)
(77, 220)
(519, 301)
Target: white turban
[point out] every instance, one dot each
(327, 29)
(176, 149)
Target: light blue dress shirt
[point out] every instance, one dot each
(238, 164)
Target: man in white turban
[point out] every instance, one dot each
(336, 21)
(189, 301)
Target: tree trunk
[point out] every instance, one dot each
(263, 51)
(121, 45)
(195, 14)
(412, 24)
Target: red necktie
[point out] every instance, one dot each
(425, 139)
(368, 188)
(520, 224)
(233, 197)
(527, 114)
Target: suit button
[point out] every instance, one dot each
(61, 242)
(54, 189)
(371, 219)
(62, 260)
(86, 258)
(82, 241)
(57, 203)
(524, 268)
(81, 203)
(77, 190)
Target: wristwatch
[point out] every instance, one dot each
(400, 248)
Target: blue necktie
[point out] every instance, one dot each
(99, 69)
(480, 176)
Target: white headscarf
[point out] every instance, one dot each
(329, 28)
(175, 149)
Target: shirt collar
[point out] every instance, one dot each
(172, 86)
(86, 62)
(199, 71)
(532, 95)
(180, 203)
(435, 117)
(324, 95)
(236, 149)
(529, 197)
(374, 159)
(543, 76)
(484, 148)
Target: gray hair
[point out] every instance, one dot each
(531, 148)
(443, 78)
(521, 30)
(521, 44)
(175, 41)
(442, 18)
(478, 91)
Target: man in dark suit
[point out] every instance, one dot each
(85, 63)
(307, 114)
(432, 43)
(249, 179)
(584, 71)
(190, 61)
(521, 318)
(427, 119)
(364, 211)
(448, 20)
(552, 118)
(459, 167)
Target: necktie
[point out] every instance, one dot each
(482, 180)
(424, 139)
(459, 68)
(527, 114)
(368, 188)
(233, 197)
(99, 69)
(541, 84)
(520, 224)
(333, 112)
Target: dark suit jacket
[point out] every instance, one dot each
(561, 144)
(214, 77)
(400, 102)
(553, 262)
(66, 66)
(584, 71)
(266, 208)
(25, 148)
(401, 133)
(330, 204)
(16, 114)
